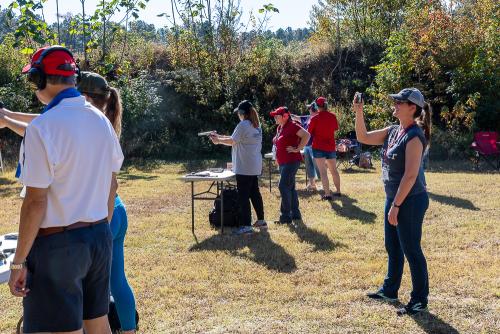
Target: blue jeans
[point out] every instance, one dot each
(289, 198)
(404, 240)
(120, 289)
(311, 168)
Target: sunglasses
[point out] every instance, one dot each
(400, 102)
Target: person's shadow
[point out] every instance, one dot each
(430, 323)
(7, 191)
(308, 235)
(455, 201)
(349, 210)
(265, 251)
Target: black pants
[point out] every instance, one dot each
(248, 190)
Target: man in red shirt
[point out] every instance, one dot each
(290, 139)
(322, 129)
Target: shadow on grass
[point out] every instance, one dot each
(357, 170)
(308, 235)
(351, 211)
(144, 165)
(7, 192)
(430, 323)
(455, 201)
(132, 177)
(303, 193)
(5, 182)
(266, 252)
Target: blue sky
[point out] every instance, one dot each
(293, 13)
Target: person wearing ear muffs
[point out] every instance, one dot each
(69, 159)
(246, 144)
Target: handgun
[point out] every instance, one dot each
(207, 133)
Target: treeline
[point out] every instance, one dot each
(188, 76)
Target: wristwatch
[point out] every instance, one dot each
(395, 205)
(17, 266)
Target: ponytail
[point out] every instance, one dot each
(424, 120)
(254, 118)
(114, 110)
(111, 105)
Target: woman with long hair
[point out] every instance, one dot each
(406, 196)
(96, 90)
(246, 143)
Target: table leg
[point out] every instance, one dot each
(192, 207)
(305, 168)
(270, 173)
(222, 208)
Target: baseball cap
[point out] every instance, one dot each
(92, 83)
(410, 94)
(57, 62)
(320, 102)
(279, 111)
(244, 106)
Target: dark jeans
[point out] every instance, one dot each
(248, 190)
(289, 199)
(404, 240)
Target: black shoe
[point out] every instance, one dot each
(413, 308)
(379, 295)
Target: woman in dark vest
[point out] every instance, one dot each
(406, 195)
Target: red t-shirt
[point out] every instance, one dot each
(286, 135)
(322, 129)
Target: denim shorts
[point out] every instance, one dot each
(324, 154)
(68, 278)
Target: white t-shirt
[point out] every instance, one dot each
(72, 150)
(246, 152)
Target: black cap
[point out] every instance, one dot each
(244, 107)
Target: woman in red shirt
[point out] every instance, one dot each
(322, 129)
(290, 139)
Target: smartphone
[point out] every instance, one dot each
(359, 97)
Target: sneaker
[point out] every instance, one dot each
(243, 230)
(379, 295)
(260, 224)
(413, 308)
(282, 222)
(326, 198)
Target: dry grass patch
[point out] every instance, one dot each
(307, 278)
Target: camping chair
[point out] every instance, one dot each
(347, 148)
(485, 147)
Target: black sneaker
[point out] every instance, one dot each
(379, 295)
(413, 308)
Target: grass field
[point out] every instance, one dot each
(307, 278)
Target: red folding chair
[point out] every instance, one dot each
(486, 149)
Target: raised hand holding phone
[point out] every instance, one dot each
(357, 103)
